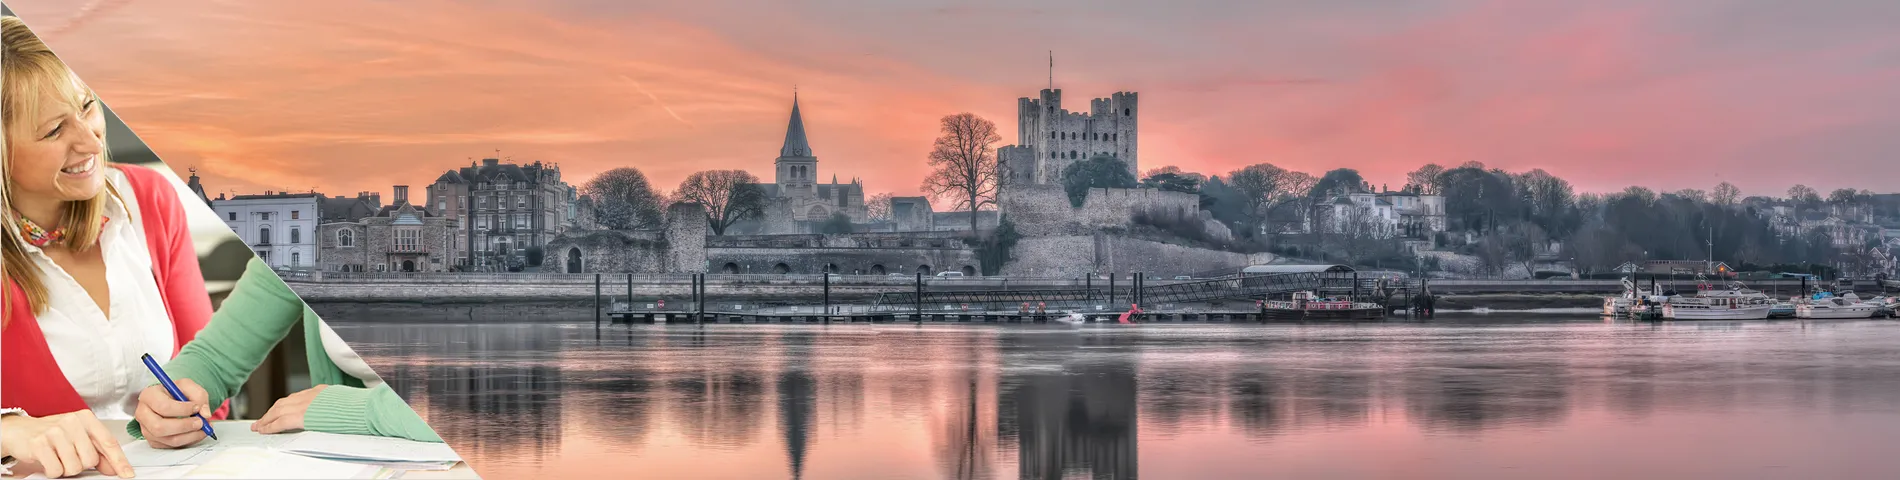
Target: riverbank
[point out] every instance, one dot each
(582, 308)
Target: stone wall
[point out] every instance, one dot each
(871, 261)
(608, 251)
(686, 231)
(859, 253)
(1040, 210)
(1076, 255)
(679, 246)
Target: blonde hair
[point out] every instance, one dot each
(27, 69)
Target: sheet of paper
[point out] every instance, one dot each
(368, 448)
(177, 471)
(261, 463)
(143, 454)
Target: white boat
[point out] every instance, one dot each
(1072, 319)
(1835, 307)
(1738, 302)
(1619, 305)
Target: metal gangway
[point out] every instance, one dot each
(1232, 287)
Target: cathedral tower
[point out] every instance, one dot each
(796, 168)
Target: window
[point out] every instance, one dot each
(296, 214)
(521, 200)
(263, 235)
(1072, 154)
(344, 238)
(296, 235)
(1114, 137)
(379, 267)
(521, 220)
(233, 216)
(1128, 112)
(1052, 154)
(1052, 134)
(296, 259)
(408, 240)
(482, 202)
(481, 222)
(265, 216)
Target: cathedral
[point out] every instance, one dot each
(796, 202)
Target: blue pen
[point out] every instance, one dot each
(172, 388)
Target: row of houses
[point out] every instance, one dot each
(488, 216)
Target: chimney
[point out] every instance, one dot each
(402, 194)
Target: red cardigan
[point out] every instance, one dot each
(29, 377)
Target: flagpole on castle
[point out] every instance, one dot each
(1052, 69)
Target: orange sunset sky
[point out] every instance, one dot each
(351, 95)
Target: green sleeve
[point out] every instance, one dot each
(258, 313)
(374, 411)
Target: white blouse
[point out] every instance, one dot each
(100, 355)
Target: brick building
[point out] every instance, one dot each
(503, 210)
(401, 237)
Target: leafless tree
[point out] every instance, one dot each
(624, 199)
(1259, 185)
(728, 195)
(1693, 194)
(1725, 194)
(964, 163)
(1803, 194)
(879, 208)
(1425, 179)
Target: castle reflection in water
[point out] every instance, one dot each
(991, 402)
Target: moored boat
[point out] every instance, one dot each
(1738, 302)
(1825, 306)
(1309, 306)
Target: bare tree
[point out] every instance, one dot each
(624, 199)
(879, 208)
(1725, 194)
(1803, 194)
(1259, 184)
(1425, 179)
(728, 195)
(1697, 195)
(964, 159)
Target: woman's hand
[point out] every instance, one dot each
(168, 423)
(64, 445)
(287, 413)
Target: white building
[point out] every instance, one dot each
(280, 227)
(1385, 215)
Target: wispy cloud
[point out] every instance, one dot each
(656, 100)
(362, 94)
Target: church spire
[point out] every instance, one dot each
(795, 143)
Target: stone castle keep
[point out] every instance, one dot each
(1060, 240)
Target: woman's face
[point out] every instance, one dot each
(57, 155)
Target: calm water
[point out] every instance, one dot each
(1475, 398)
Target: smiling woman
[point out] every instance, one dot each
(99, 268)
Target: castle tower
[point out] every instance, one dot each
(796, 168)
(1057, 137)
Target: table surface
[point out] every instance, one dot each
(459, 471)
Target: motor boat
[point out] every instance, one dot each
(1737, 302)
(1826, 306)
(1072, 319)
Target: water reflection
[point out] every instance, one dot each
(1505, 400)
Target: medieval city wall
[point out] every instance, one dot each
(1077, 255)
(1043, 210)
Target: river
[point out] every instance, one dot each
(1491, 396)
